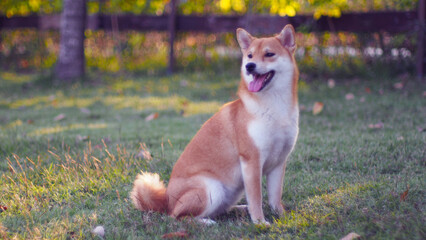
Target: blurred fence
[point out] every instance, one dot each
(392, 22)
(373, 22)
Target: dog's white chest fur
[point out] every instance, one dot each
(273, 130)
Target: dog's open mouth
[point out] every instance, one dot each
(260, 81)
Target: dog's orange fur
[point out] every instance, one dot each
(225, 158)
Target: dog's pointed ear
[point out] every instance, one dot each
(244, 38)
(287, 38)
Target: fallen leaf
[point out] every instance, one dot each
(30, 121)
(317, 108)
(151, 117)
(398, 85)
(99, 231)
(376, 126)
(60, 117)
(80, 138)
(331, 83)
(185, 103)
(85, 111)
(98, 146)
(367, 90)
(351, 236)
(404, 195)
(2, 208)
(420, 129)
(144, 153)
(180, 234)
(349, 96)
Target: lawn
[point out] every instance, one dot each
(69, 155)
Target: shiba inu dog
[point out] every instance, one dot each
(248, 138)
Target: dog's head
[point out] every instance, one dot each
(268, 63)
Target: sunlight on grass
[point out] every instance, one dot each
(14, 124)
(58, 128)
(320, 209)
(15, 78)
(194, 108)
(344, 177)
(177, 103)
(57, 100)
(126, 84)
(53, 182)
(29, 102)
(162, 103)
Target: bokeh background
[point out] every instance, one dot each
(320, 54)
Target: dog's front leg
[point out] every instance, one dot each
(274, 181)
(252, 177)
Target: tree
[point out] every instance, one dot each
(70, 65)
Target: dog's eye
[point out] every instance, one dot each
(269, 54)
(250, 55)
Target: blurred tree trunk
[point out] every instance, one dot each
(71, 63)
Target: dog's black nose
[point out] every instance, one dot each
(250, 67)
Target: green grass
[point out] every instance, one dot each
(62, 178)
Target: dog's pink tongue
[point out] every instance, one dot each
(256, 84)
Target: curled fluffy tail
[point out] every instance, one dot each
(149, 193)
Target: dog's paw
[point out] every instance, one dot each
(239, 208)
(206, 221)
(262, 223)
(278, 209)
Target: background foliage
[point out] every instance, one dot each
(278, 7)
(320, 54)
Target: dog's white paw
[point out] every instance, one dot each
(262, 223)
(241, 207)
(206, 221)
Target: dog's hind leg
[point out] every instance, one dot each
(191, 203)
(205, 199)
(239, 208)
